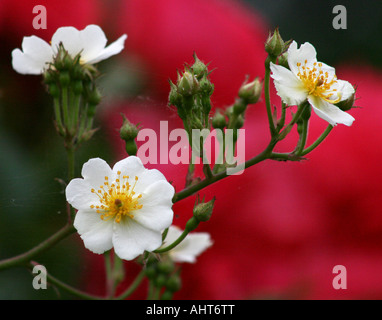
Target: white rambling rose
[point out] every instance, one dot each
(36, 54)
(191, 247)
(125, 208)
(307, 79)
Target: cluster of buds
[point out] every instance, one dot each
(163, 275)
(72, 86)
(191, 95)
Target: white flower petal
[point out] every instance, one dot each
(156, 212)
(70, 38)
(329, 112)
(93, 42)
(290, 88)
(306, 53)
(345, 88)
(190, 248)
(95, 232)
(78, 194)
(131, 166)
(94, 172)
(111, 50)
(147, 178)
(34, 57)
(130, 239)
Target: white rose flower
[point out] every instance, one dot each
(314, 81)
(36, 54)
(190, 248)
(125, 208)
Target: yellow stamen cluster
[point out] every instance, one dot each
(317, 82)
(117, 199)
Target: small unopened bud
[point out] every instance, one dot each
(174, 98)
(347, 104)
(94, 97)
(54, 90)
(78, 87)
(274, 44)
(64, 78)
(203, 210)
(206, 87)
(219, 121)
(283, 60)
(239, 106)
(188, 84)
(199, 68)
(251, 92)
(128, 131)
(174, 283)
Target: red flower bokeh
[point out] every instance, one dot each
(280, 228)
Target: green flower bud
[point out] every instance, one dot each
(94, 97)
(206, 87)
(160, 280)
(167, 295)
(49, 77)
(219, 121)
(64, 78)
(251, 92)
(54, 90)
(151, 272)
(239, 121)
(128, 131)
(203, 211)
(239, 106)
(166, 266)
(188, 84)
(347, 104)
(274, 45)
(78, 87)
(174, 283)
(199, 69)
(174, 98)
(283, 60)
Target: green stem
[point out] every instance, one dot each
(65, 107)
(70, 153)
(303, 137)
(281, 122)
(174, 244)
(109, 275)
(75, 112)
(267, 96)
(316, 143)
(57, 113)
(133, 286)
(42, 247)
(266, 154)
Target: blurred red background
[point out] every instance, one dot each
(280, 227)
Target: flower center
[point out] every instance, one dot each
(117, 199)
(317, 82)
